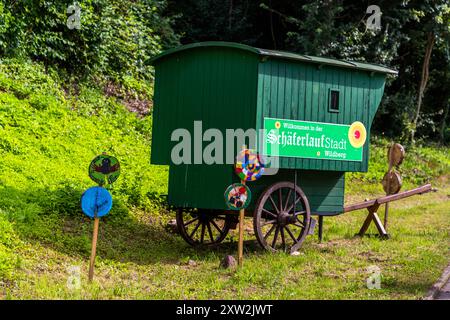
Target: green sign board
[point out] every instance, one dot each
(314, 140)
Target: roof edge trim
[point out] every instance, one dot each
(204, 44)
(279, 54)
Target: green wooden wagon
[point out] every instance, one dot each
(313, 100)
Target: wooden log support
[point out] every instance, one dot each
(373, 216)
(320, 228)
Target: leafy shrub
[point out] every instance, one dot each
(47, 141)
(115, 39)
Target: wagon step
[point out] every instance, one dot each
(312, 225)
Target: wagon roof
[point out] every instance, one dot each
(281, 55)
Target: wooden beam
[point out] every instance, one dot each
(420, 190)
(359, 205)
(366, 204)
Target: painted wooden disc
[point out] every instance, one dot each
(397, 154)
(237, 196)
(104, 169)
(248, 165)
(357, 134)
(96, 202)
(395, 182)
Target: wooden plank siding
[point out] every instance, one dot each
(217, 86)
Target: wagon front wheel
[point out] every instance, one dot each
(281, 218)
(199, 227)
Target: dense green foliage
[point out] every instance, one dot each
(117, 37)
(48, 137)
(114, 40)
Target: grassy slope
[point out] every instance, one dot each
(47, 139)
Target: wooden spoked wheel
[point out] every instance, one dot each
(280, 224)
(199, 227)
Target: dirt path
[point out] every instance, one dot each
(441, 289)
(444, 293)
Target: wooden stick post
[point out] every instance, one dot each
(241, 235)
(94, 248)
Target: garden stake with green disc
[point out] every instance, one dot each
(96, 202)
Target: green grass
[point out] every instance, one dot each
(140, 260)
(48, 137)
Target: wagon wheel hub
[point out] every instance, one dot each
(284, 218)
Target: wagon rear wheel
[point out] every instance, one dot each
(199, 227)
(278, 223)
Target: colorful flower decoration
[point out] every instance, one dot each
(237, 196)
(248, 165)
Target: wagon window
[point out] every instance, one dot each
(334, 100)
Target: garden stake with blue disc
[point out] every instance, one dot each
(96, 202)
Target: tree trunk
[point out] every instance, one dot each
(444, 124)
(271, 26)
(446, 110)
(230, 13)
(423, 81)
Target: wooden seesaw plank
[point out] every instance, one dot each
(366, 204)
(373, 205)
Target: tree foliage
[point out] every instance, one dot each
(117, 37)
(114, 40)
(338, 29)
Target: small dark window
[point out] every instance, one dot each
(334, 100)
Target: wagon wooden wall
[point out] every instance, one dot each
(215, 85)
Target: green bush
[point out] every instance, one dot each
(47, 142)
(115, 38)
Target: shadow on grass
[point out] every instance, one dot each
(53, 218)
(411, 287)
